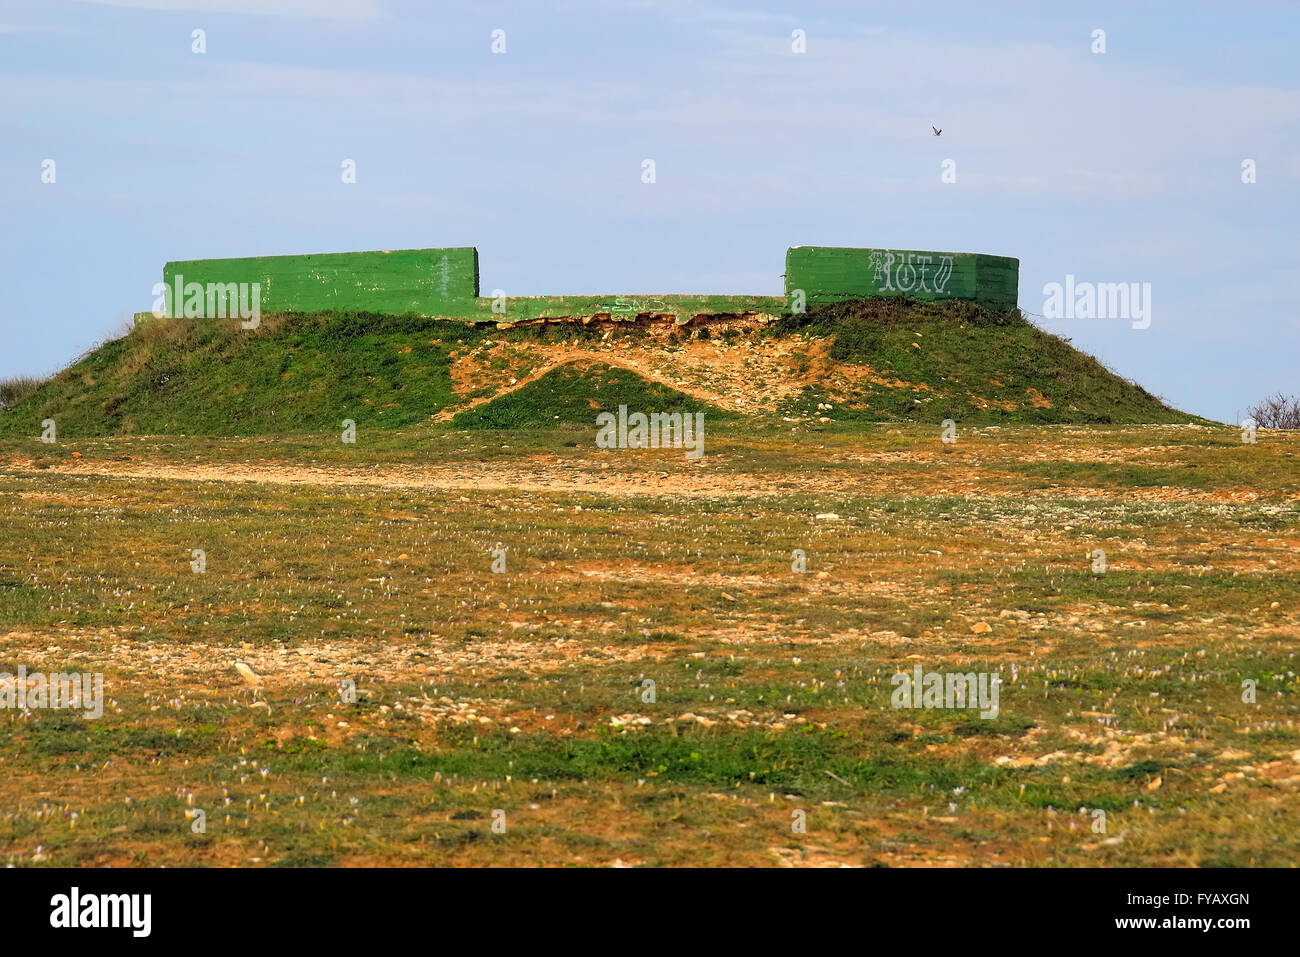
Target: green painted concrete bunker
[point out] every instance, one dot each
(443, 283)
(826, 274)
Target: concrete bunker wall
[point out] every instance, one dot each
(421, 281)
(445, 281)
(828, 274)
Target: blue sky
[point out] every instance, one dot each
(1115, 167)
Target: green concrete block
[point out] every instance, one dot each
(419, 281)
(829, 274)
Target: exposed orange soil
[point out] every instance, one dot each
(748, 376)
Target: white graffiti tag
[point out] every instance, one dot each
(912, 273)
(943, 274)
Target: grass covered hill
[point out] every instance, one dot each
(883, 360)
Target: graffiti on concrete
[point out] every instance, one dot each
(910, 272)
(634, 306)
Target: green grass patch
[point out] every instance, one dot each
(575, 395)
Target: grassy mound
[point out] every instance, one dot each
(575, 394)
(211, 377)
(964, 362)
(884, 360)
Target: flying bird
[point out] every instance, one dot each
(936, 131)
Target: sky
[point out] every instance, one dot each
(1116, 166)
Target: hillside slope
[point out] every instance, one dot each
(869, 361)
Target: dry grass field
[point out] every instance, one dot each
(519, 698)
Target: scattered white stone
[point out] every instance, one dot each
(251, 677)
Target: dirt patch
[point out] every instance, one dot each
(747, 375)
(1037, 399)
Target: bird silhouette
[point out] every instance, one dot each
(937, 131)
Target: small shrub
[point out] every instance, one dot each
(1277, 412)
(14, 390)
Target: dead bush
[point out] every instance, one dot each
(1277, 412)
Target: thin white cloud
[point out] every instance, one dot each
(1082, 129)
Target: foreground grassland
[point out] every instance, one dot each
(522, 691)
